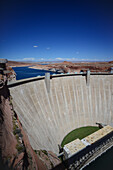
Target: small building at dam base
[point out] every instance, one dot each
(79, 153)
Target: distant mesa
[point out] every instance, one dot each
(111, 62)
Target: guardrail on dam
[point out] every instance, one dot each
(70, 103)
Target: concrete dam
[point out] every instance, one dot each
(49, 110)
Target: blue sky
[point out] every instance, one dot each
(45, 30)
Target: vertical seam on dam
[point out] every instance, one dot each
(69, 104)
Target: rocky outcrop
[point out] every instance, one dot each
(11, 76)
(111, 62)
(48, 158)
(7, 139)
(15, 149)
(69, 67)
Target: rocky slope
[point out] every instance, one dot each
(15, 149)
(69, 67)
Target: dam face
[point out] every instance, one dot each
(48, 116)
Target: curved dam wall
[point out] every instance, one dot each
(48, 116)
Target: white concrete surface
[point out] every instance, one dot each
(48, 117)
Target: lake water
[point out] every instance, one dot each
(26, 72)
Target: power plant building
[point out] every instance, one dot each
(77, 145)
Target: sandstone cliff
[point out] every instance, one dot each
(15, 149)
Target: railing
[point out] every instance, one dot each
(24, 81)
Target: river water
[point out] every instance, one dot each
(26, 72)
(104, 162)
